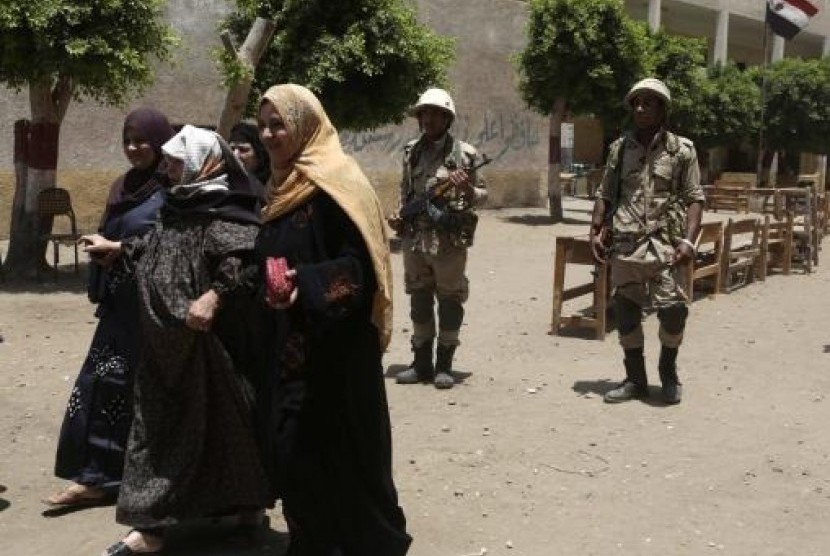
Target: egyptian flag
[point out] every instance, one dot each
(788, 17)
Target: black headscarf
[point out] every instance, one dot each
(134, 187)
(244, 132)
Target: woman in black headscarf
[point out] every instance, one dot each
(99, 414)
(247, 146)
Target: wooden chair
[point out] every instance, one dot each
(52, 202)
(708, 257)
(765, 200)
(776, 245)
(741, 252)
(577, 250)
(802, 203)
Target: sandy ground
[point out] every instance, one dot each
(523, 458)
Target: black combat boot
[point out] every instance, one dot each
(635, 384)
(421, 369)
(443, 366)
(672, 390)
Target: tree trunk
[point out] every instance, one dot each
(555, 160)
(255, 44)
(36, 160)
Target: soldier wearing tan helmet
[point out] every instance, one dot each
(644, 223)
(435, 242)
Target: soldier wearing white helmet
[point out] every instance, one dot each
(645, 223)
(435, 242)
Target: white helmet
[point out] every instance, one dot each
(651, 85)
(439, 98)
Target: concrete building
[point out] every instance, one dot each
(734, 29)
(492, 115)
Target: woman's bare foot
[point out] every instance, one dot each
(77, 495)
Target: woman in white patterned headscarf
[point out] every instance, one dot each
(191, 452)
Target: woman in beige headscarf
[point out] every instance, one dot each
(329, 447)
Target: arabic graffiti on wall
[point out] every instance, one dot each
(497, 134)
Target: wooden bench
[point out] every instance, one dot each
(708, 257)
(577, 251)
(727, 195)
(741, 252)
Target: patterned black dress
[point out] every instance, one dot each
(329, 450)
(191, 452)
(99, 414)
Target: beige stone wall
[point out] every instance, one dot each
(187, 89)
(491, 114)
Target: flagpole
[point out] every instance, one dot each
(761, 138)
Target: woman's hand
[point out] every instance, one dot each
(200, 315)
(100, 249)
(292, 276)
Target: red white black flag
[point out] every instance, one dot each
(788, 17)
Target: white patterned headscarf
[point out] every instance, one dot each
(204, 162)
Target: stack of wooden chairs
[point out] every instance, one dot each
(771, 231)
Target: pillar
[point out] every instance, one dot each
(654, 15)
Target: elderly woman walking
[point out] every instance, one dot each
(99, 413)
(330, 450)
(191, 452)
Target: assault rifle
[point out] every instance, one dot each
(423, 204)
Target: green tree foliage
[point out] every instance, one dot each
(715, 106)
(588, 52)
(680, 62)
(60, 50)
(798, 105)
(102, 46)
(367, 60)
(730, 108)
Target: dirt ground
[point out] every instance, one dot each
(523, 458)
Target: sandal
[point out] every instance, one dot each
(121, 548)
(69, 498)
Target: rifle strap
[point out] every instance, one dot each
(615, 164)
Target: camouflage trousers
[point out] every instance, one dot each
(642, 276)
(441, 276)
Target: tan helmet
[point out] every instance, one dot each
(438, 98)
(651, 85)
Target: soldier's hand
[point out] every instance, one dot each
(597, 248)
(682, 253)
(461, 181)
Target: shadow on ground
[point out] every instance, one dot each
(207, 538)
(66, 281)
(542, 220)
(604, 385)
(226, 541)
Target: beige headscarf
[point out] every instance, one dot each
(320, 162)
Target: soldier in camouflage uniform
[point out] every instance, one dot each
(650, 203)
(435, 242)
